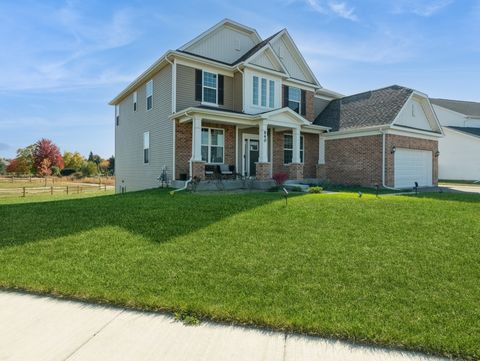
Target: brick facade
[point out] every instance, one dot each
(183, 145)
(321, 172)
(262, 171)
(310, 105)
(295, 171)
(358, 161)
(198, 170)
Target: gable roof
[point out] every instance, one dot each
(471, 109)
(372, 108)
(255, 49)
(467, 130)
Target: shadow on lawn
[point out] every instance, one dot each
(450, 195)
(153, 214)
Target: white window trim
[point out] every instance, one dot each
(296, 101)
(135, 101)
(302, 150)
(146, 136)
(267, 92)
(209, 87)
(209, 145)
(146, 95)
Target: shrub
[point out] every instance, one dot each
(89, 169)
(55, 170)
(67, 171)
(315, 189)
(280, 178)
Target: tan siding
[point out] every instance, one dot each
(186, 89)
(129, 167)
(238, 92)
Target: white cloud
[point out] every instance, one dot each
(336, 8)
(343, 10)
(68, 53)
(424, 8)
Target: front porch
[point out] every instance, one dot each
(252, 147)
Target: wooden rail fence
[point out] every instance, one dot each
(68, 189)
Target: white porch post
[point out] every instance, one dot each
(296, 145)
(263, 142)
(196, 138)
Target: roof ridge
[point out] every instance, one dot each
(376, 90)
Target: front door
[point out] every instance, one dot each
(250, 155)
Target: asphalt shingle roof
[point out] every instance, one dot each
(468, 130)
(375, 107)
(467, 108)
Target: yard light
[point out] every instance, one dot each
(394, 149)
(285, 194)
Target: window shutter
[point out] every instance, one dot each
(220, 89)
(303, 107)
(285, 96)
(198, 85)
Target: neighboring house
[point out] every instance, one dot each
(229, 97)
(460, 148)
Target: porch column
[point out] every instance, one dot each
(295, 169)
(262, 167)
(263, 142)
(198, 166)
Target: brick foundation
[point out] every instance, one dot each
(295, 171)
(321, 172)
(198, 170)
(262, 171)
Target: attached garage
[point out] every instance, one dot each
(413, 165)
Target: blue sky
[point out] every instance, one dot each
(62, 61)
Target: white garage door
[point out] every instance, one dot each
(412, 165)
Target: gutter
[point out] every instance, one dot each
(243, 87)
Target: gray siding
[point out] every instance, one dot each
(130, 170)
(186, 89)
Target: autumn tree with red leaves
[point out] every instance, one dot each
(45, 155)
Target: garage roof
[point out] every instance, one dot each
(372, 108)
(468, 130)
(471, 109)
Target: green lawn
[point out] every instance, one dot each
(397, 270)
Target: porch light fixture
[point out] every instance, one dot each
(437, 153)
(394, 149)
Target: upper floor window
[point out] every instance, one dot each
(294, 99)
(146, 147)
(212, 145)
(271, 94)
(288, 148)
(255, 90)
(149, 94)
(263, 92)
(209, 87)
(134, 101)
(117, 115)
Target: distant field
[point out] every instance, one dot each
(52, 186)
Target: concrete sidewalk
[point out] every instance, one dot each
(43, 328)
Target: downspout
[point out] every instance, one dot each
(190, 170)
(382, 131)
(243, 86)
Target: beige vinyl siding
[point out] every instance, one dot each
(222, 45)
(130, 169)
(186, 89)
(238, 92)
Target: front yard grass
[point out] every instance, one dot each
(396, 270)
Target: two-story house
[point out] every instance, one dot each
(229, 97)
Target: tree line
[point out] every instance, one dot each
(44, 158)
